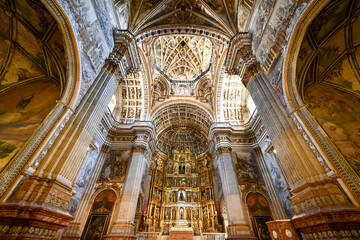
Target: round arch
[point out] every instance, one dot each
(300, 110)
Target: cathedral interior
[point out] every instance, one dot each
(179, 119)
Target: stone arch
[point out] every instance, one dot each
(49, 55)
(100, 214)
(319, 132)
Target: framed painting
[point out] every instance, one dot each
(261, 228)
(96, 227)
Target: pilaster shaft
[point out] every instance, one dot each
(238, 228)
(123, 225)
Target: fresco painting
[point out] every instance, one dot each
(97, 223)
(104, 202)
(279, 180)
(86, 170)
(96, 227)
(243, 16)
(261, 228)
(247, 168)
(338, 113)
(22, 109)
(115, 166)
(264, 11)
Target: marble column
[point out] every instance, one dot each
(238, 227)
(319, 204)
(123, 225)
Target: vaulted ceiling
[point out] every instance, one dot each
(217, 15)
(183, 45)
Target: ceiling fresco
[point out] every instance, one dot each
(182, 57)
(31, 44)
(32, 72)
(327, 55)
(328, 69)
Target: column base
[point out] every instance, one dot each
(121, 231)
(29, 222)
(239, 231)
(338, 224)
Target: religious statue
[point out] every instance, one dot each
(181, 196)
(167, 214)
(182, 169)
(173, 213)
(181, 213)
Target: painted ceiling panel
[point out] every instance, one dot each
(33, 32)
(31, 45)
(39, 17)
(4, 26)
(337, 60)
(21, 68)
(329, 20)
(331, 50)
(356, 32)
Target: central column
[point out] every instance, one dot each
(238, 228)
(123, 226)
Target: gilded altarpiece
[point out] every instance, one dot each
(181, 195)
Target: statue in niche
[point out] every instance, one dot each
(152, 211)
(175, 182)
(188, 168)
(181, 213)
(188, 182)
(173, 213)
(183, 182)
(181, 198)
(188, 197)
(205, 212)
(167, 214)
(195, 214)
(174, 197)
(195, 197)
(188, 214)
(203, 196)
(157, 213)
(193, 167)
(194, 183)
(182, 169)
(176, 168)
(168, 197)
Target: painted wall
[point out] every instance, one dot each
(115, 166)
(84, 176)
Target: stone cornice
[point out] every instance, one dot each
(240, 59)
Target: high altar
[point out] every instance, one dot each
(182, 195)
